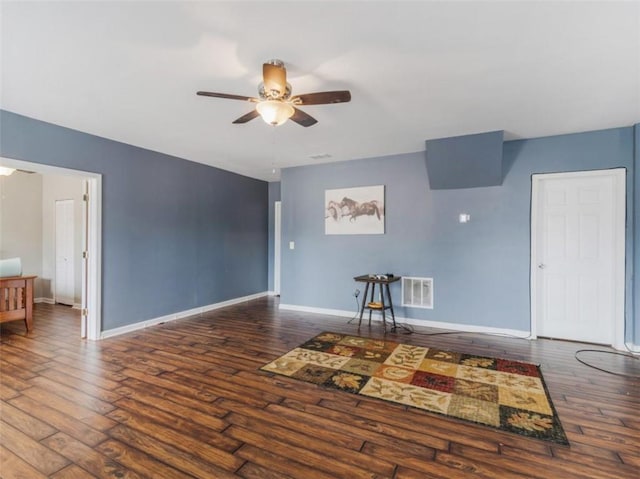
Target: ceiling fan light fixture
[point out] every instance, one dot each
(275, 112)
(275, 104)
(6, 171)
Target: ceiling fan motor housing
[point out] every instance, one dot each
(274, 85)
(274, 93)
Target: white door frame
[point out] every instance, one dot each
(277, 245)
(84, 259)
(92, 297)
(94, 261)
(619, 243)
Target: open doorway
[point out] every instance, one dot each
(64, 247)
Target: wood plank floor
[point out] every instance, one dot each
(186, 399)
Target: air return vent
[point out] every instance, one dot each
(417, 292)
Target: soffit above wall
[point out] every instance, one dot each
(467, 161)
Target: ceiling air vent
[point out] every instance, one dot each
(320, 156)
(417, 292)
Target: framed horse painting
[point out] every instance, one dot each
(354, 211)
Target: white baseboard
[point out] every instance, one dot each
(633, 348)
(179, 315)
(311, 309)
(468, 328)
(44, 300)
(53, 301)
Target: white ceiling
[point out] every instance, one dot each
(416, 70)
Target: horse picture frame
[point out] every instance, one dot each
(353, 211)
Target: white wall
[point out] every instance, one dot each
(21, 222)
(55, 187)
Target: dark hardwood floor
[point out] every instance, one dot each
(186, 399)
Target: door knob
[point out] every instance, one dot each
(542, 266)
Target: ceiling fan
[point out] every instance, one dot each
(275, 104)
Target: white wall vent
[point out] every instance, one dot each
(417, 292)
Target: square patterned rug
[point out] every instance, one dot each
(507, 395)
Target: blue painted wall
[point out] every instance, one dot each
(176, 234)
(480, 269)
(274, 195)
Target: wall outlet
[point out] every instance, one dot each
(356, 293)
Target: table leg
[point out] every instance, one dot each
(393, 316)
(28, 319)
(373, 290)
(364, 301)
(384, 319)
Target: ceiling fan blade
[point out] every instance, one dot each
(274, 76)
(322, 98)
(227, 96)
(302, 118)
(248, 117)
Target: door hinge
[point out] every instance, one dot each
(84, 312)
(85, 254)
(85, 197)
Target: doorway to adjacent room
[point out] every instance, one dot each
(64, 275)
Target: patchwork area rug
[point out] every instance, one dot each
(507, 395)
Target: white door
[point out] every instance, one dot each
(64, 279)
(276, 247)
(577, 257)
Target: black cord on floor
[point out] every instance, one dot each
(355, 316)
(626, 355)
(409, 330)
(632, 376)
